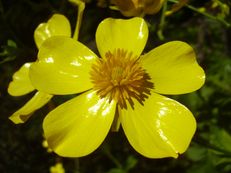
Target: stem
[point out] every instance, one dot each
(116, 122)
(107, 151)
(76, 165)
(7, 60)
(209, 15)
(81, 7)
(162, 22)
(114, 160)
(205, 14)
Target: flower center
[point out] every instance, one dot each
(120, 77)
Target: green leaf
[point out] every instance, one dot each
(130, 163)
(117, 170)
(221, 138)
(196, 153)
(203, 167)
(11, 43)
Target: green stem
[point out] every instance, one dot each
(81, 7)
(205, 14)
(77, 166)
(7, 60)
(110, 156)
(162, 22)
(114, 160)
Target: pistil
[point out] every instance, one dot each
(120, 77)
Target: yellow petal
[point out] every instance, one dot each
(160, 128)
(173, 68)
(21, 83)
(153, 6)
(36, 102)
(57, 25)
(130, 35)
(77, 127)
(138, 7)
(62, 67)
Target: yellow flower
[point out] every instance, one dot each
(122, 86)
(21, 84)
(138, 7)
(57, 168)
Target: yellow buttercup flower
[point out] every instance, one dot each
(121, 86)
(138, 7)
(57, 168)
(21, 84)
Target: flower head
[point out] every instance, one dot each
(21, 84)
(121, 78)
(57, 168)
(138, 7)
(122, 84)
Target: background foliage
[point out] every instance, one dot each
(21, 147)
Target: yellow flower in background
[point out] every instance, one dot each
(57, 25)
(21, 84)
(138, 7)
(121, 86)
(57, 168)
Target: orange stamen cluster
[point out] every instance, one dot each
(120, 77)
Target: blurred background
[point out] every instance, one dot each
(205, 25)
